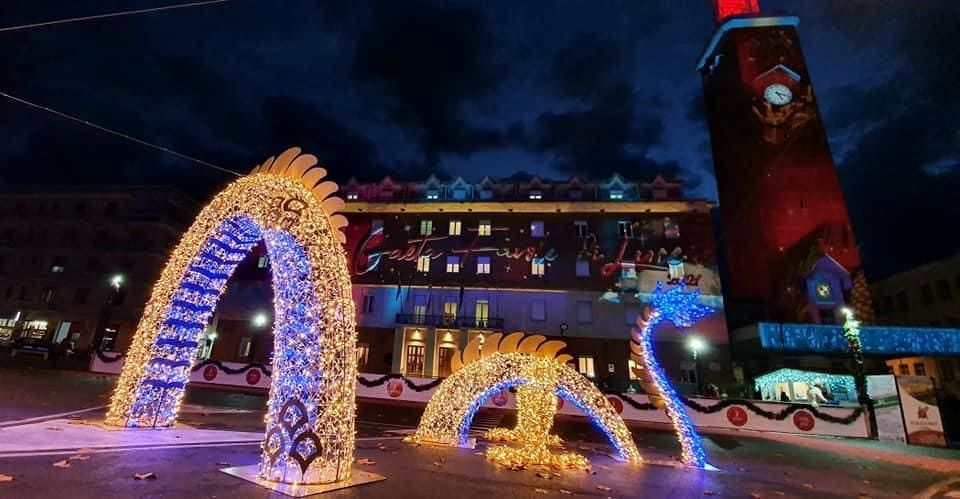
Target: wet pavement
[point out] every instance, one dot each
(749, 466)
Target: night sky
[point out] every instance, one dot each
(554, 88)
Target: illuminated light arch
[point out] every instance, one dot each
(683, 309)
(310, 412)
(531, 363)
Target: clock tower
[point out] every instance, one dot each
(789, 251)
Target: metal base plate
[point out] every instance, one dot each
(251, 474)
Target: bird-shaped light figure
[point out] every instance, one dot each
(683, 309)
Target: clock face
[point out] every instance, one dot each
(778, 94)
(823, 290)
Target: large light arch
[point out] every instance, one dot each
(310, 414)
(451, 408)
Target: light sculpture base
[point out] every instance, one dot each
(251, 473)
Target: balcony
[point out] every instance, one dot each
(452, 322)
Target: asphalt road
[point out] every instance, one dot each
(750, 467)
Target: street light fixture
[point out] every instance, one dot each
(117, 280)
(260, 319)
(696, 345)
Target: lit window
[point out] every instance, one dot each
(585, 366)
(631, 365)
(583, 268)
(433, 194)
(459, 194)
(538, 267)
(536, 228)
(423, 263)
(48, 295)
(538, 310)
(920, 369)
(536, 195)
(675, 269)
(584, 312)
(363, 353)
(57, 269)
(453, 264)
(245, 346)
(426, 227)
(482, 311)
(450, 309)
(368, 303)
(263, 262)
(483, 265)
(455, 227)
(616, 194)
(485, 228)
(625, 229)
(351, 196)
(581, 227)
(486, 194)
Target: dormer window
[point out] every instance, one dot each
(575, 194)
(387, 194)
(459, 194)
(486, 194)
(616, 194)
(433, 194)
(352, 196)
(659, 194)
(536, 195)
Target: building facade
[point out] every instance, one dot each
(436, 263)
(73, 261)
(928, 295)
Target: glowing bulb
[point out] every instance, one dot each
(116, 280)
(260, 319)
(697, 344)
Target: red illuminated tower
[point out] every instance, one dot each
(790, 253)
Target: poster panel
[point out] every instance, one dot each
(921, 414)
(882, 389)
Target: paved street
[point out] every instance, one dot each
(748, 466)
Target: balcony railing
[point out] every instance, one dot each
(448, 321)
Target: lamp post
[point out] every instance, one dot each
(851, 332)
(697, 345)
(113, 299)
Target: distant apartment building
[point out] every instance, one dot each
(437, 263)
(75, 259)
(928, 295)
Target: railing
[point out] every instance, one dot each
(449, 321)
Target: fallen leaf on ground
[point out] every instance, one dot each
(755, 495)
(364, 460)
(540, 491)
(541, 474)
(62, 464)
(807, 485)
(779, 493)
(565, 492)
(145, 476)
(5, 478)
(79, 457)
(742, 470)
(437, 463)
(477, 453)
(604, 467)
(604, 488)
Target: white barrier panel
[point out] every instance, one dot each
(708, 413)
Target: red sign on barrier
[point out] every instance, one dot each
(737, 416)
(253, 376)
(803, 420)
(394, 388)
(210, 372)
(616, 403)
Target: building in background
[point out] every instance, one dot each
(928, 295)
(75, 260)
(436, 263)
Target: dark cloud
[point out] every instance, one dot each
(430, 60)
(898, 128)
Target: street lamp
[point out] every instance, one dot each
(696, 344)
(260, 319)
(116, 281)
